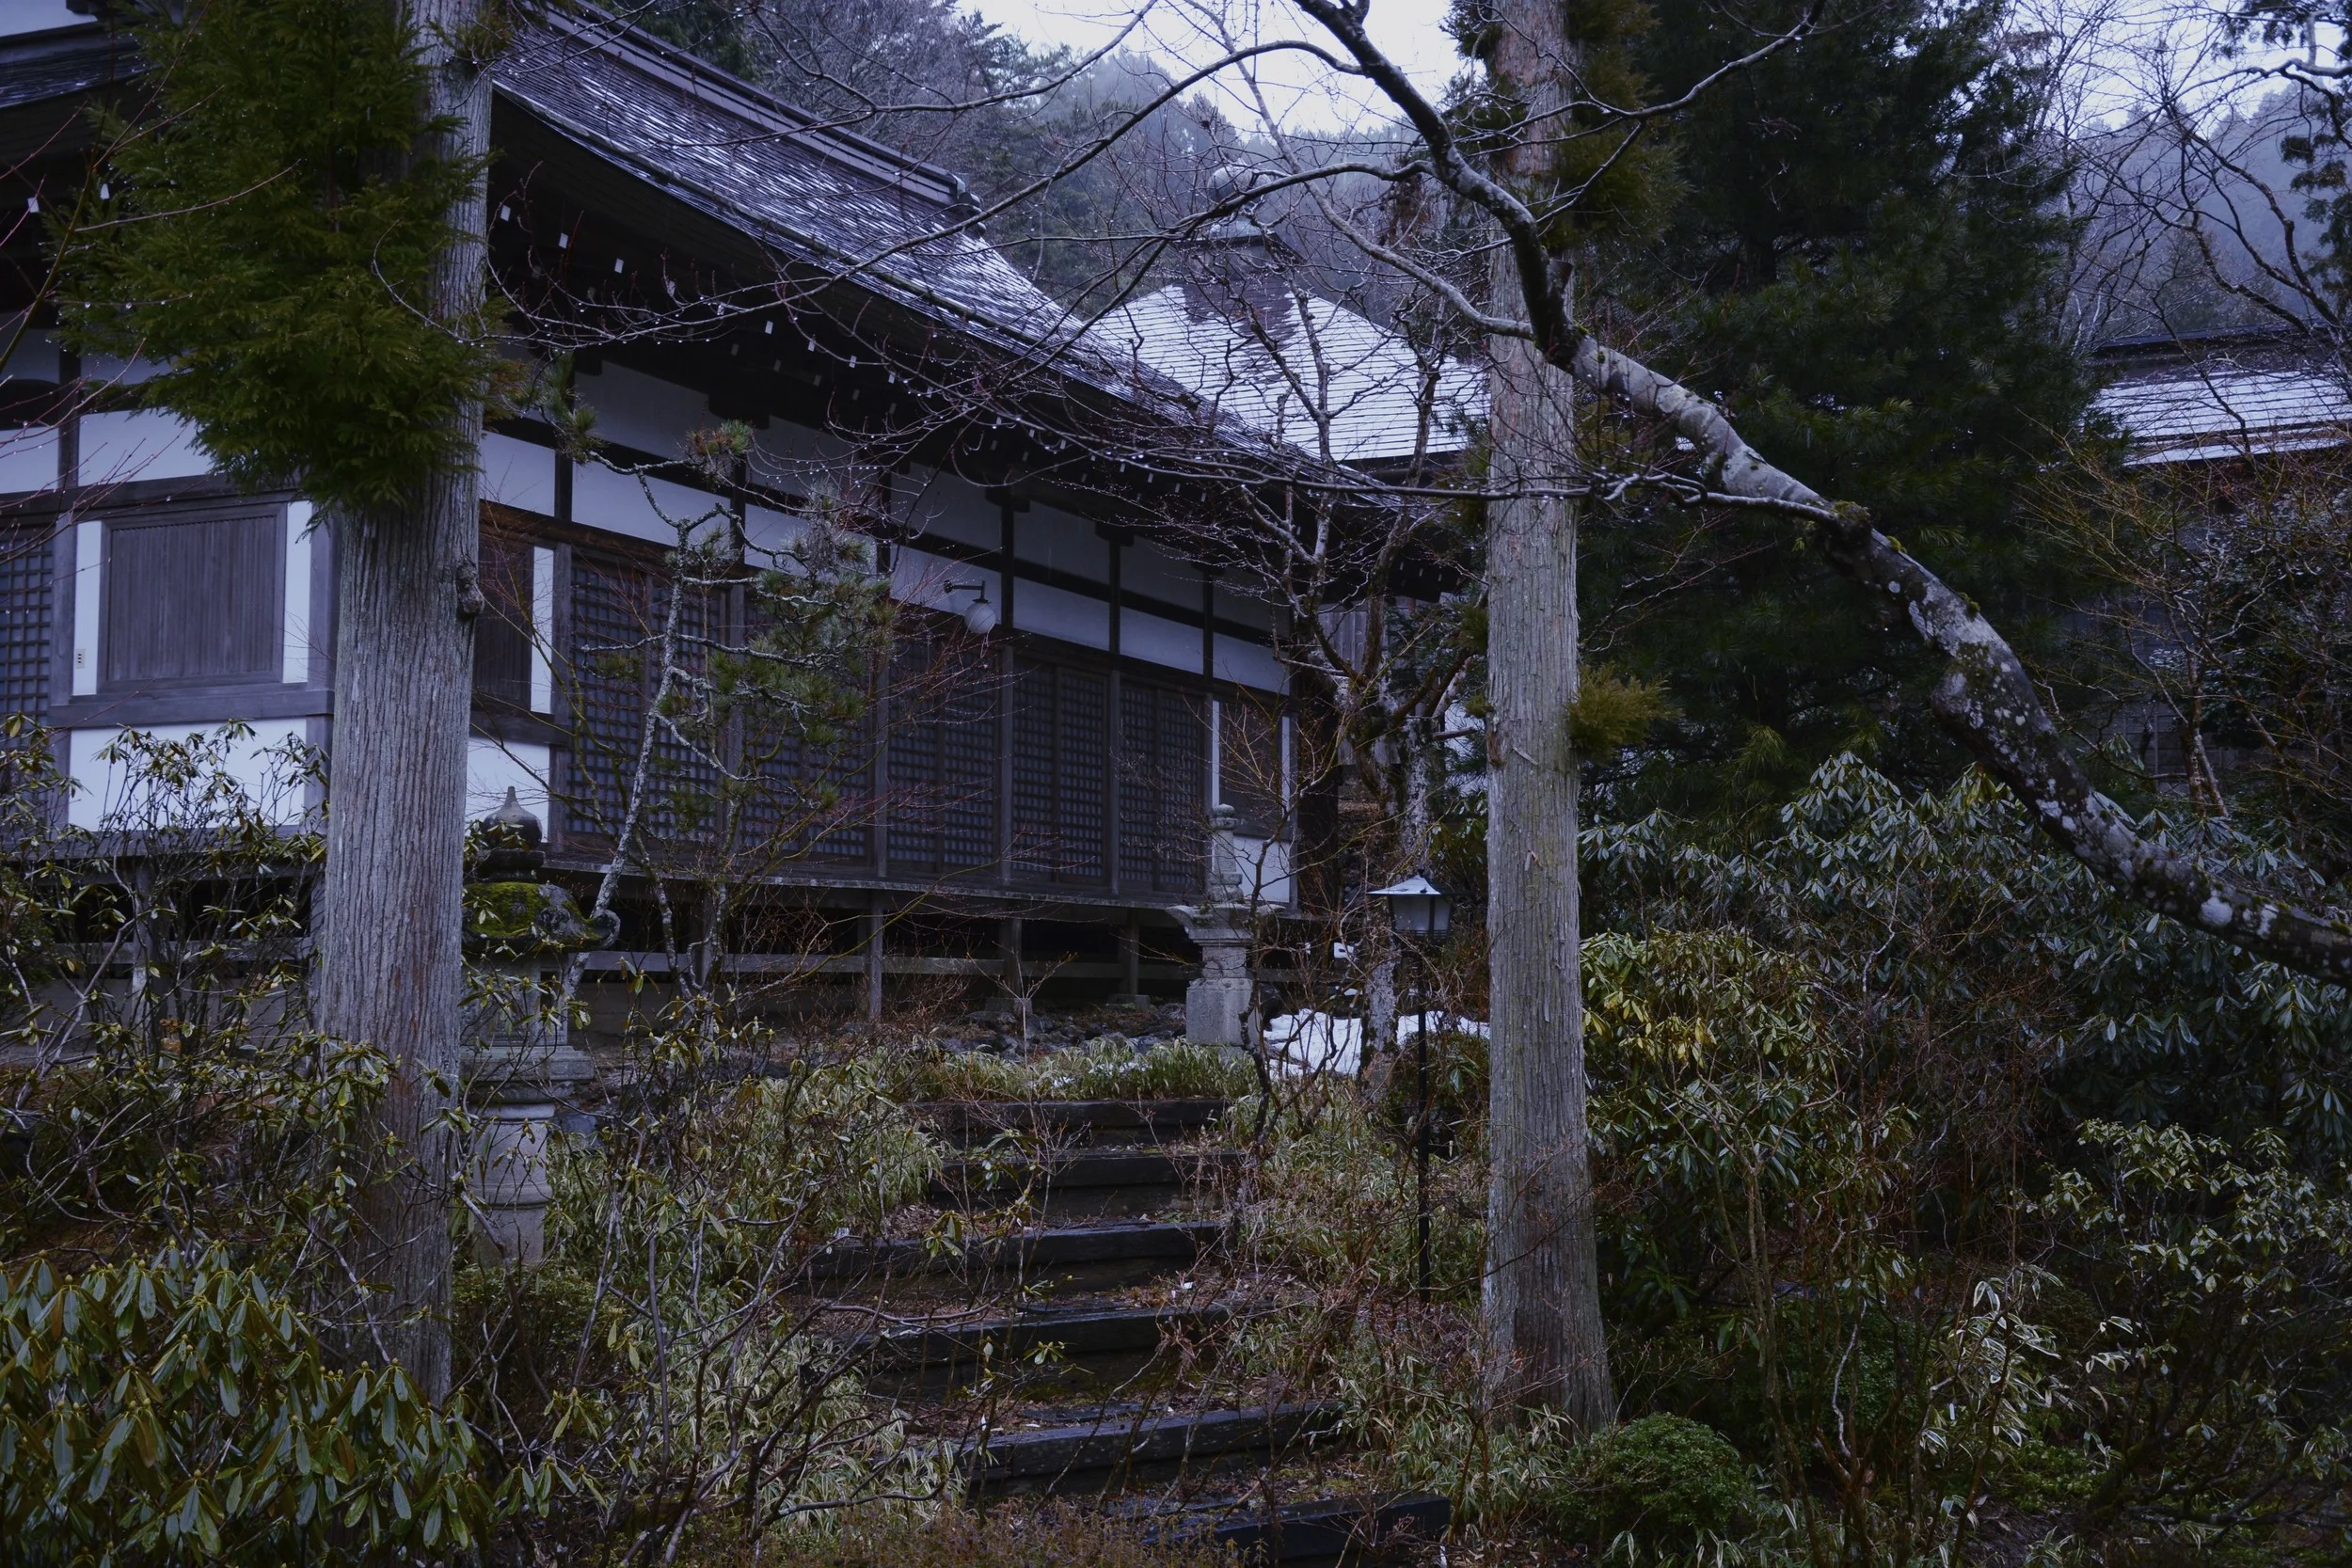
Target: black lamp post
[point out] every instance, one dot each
(1418, 908)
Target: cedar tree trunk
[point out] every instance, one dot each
(1542, 1290)
(390, 915)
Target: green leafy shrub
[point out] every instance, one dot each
(183, 1411)
(1332, 1198)
(1664, 1484)
(1457, 1088)
(1106, 1068)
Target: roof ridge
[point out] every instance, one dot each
(598, 28)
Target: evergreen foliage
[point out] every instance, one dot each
(1862, 266)
(269, 236)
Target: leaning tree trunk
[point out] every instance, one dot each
(1542, 1289)
(390, 914)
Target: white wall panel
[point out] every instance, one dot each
(494, 766)
(1065, 542)
(643, 412)
(36, 16)
(541, 629)
(1243, 608)
(767, 532)
(952, 509)
(1147, 569)
(28, 459)
(139, 443)
(297, 640)
(1247, 664)
(1057, 612)
(602, 497)
(89, 554)
(34, 356)
(110, 370)
(1160, 641)
(517, 473)
(920, 577)
(105, 793)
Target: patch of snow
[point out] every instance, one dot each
(1304, 1042)
(1300, 1043)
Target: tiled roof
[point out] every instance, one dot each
(823, 195)
(40, 67)
(2217, 408)
(1298, 368)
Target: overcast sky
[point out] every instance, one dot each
(1412, 31)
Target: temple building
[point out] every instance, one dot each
(1085, 714)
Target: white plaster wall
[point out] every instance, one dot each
(494, 766)
(1159, 641)
(28, 459)
(1247, 664)
(139, 443)
(920, 577)
(1057, 612)
(798, 459)
(517, 473)
(765, 531)
(1148, 570)
(643, 412)
(1242, 607)
(602, 497)
(34, 16)
(1065, 542)
(117, 371)
(34, 356)
(1263, 866)
(948, 506)
(294, 642)
(103, 788)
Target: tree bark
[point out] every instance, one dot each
(1542, 1290)
(390, 901)
(1544, 1341)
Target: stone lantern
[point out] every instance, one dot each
(519, 1068)
(1217, 1005)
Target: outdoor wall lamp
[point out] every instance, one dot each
(981, 617)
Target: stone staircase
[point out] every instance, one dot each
(1064, 1344)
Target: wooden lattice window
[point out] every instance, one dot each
(502, 633)
(26, 622)
(618, 612)
(942, 760)
(1061, 751)
(1163, 808)
(1250, 765)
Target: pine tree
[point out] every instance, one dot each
(1864, 255)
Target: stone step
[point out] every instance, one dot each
(1079, 1183)
(1116, 1450)
(1327, 1532)
(1067, 1122)
(1088, 1257)
(1090, 1346)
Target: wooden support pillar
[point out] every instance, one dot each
(876, 920)
(1008, 944)
(1131, 962)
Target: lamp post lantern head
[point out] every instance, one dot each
(1417, 907)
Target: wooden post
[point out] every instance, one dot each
(877, 921)
(1130, 958)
